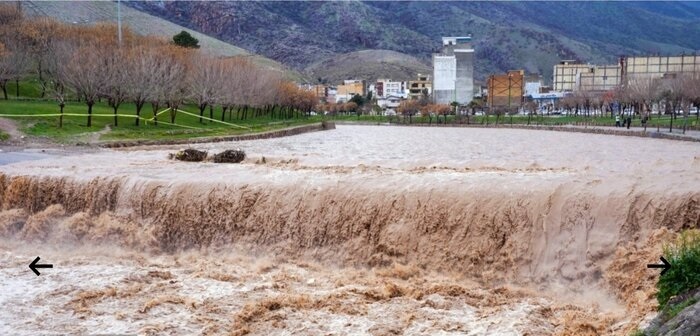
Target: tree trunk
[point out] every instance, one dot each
(155, 113)
(3, 84)
(138, 112)
(60, 118)
(670, 127)
(89, 118)
(116, 122)
(223, 112)
(202, 107)
(211, 112)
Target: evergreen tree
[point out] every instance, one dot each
(184, 39)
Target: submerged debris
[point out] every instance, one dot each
(230, 156)
(189, 155)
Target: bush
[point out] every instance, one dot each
(684, 274)
(230, 156)
(189, 155)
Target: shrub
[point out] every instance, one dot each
(190, 155)
(230, 156)
(684, 274)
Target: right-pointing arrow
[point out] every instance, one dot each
(666, 265)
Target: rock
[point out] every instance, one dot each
(685, 323)
(230, 156)
(189, 155)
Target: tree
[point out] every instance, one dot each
(14, 64)
(357, 99)
(139, 80)
(205, 80)
(115, 88)
(644, 92)
(184, 39)
(408, 108)
(84, 73)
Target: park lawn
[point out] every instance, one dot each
(75, 127)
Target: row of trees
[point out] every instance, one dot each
(89, 63)
(673, 95)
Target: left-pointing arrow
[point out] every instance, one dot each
(33, 266)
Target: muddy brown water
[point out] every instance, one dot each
(359, 230)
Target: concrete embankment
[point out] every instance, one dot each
(559, 128)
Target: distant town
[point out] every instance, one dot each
(452, 83)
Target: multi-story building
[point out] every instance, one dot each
(657, 66)
(386, 87)
(348, 89)
(566, 74)
(422, 85)
(453, 71)
(506, 90)
(598, 78)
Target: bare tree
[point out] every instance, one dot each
(205, 80)
(115, 88)
(84, 73)
(139, 80)
(644, 92)
(14, 63)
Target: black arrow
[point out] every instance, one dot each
(666, 265)
(33, 266)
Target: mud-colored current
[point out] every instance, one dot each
(359, 230)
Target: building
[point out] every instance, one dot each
(331, 94)
(566, 73)
(453, 71)
(657, 66)
(572, 76)
(389, 102)
(348, 89)
(386, 87)
(422, 84)
(506, 90)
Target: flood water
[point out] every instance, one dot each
(362, 230)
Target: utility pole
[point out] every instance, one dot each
(119, 21)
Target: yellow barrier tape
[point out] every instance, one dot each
(146, 120)
(214, 120)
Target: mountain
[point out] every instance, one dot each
(508, 35)
(367, 64)
(88, 12)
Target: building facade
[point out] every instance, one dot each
(506, 90)
(565, 75)
(599, 78)
(386, 87)
(453, 71)
(657, 66)
(422, 84)
(348, 89)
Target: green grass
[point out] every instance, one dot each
(4, 136)
(684, 274)
(75, 127)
